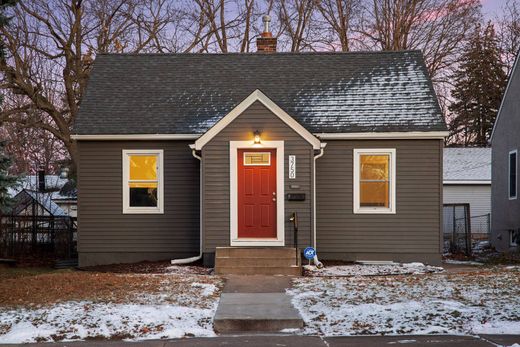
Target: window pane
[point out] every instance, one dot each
(374, 167)
(143, 194)
(256, 158)
(143, 167)
(374, 194)
(512, 174)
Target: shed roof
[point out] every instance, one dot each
(467, 165)
(324, 92)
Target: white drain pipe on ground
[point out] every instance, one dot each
(194, 259)
(316, 261)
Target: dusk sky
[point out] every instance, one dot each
(492, 7)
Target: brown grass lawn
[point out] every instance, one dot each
(29, 287)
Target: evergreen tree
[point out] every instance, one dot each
(479, 84)
(6, 180)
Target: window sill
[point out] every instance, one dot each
(143, 211)
(374, 211)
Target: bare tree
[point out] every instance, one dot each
(509, 32)
(296, 19)
(50, 47)
(437, 27)
(339, 16)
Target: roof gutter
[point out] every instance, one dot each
(384, 135)
(136, 137)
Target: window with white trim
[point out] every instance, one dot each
(374, 180)
(512, 174)
(143, 184)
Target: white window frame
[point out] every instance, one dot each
(509, 174)
(127, 209)
(392, 194)
(234, 146)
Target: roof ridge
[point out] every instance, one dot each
(262, 54)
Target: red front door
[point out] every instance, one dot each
(256, 193)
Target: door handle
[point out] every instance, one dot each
(274, 193)
(274, 199)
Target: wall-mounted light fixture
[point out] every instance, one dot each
(257, 137)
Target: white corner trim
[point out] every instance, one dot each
(417, 135)
(127, 209)
(257, 95)
(137, 137)
(510, 78)
(357, 209)
(514, 151)
(233, 191)
(467, 182)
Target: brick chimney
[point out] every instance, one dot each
(266, 43)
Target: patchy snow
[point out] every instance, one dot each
(179, 309)
(486, 301)
(188, 270)
(371, 270)
(79, 320)
(207, 288)
(462, 262)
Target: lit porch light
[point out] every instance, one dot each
(257, 140)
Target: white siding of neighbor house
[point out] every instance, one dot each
(478, 197)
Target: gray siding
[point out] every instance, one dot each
(505, 213)
(215, 154)
(106, 235)
(413, 233)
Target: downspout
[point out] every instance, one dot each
(317, 156)
(194, 259)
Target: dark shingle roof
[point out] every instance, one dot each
(325, 92)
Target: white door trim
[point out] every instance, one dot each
(233, 198)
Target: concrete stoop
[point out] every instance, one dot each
(257, 261)
(256, 312)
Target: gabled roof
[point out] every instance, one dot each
(59, 188)
(467, 166)
(324, 92)
(257, 95)
(24, 197)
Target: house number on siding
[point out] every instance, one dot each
(292, 166)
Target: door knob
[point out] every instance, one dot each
(274, 193)
(274, 199)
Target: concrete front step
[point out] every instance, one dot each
(255, 252)
(259, 261)
(260, 312)
(293, 270)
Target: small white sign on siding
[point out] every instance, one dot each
(292, 167)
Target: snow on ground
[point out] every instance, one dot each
(462, 262)
(181, 308)
(371, 270)
(484, 301)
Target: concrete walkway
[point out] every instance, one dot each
(311, 341)
(256, 303)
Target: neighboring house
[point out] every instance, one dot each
(505, 142)
(228, 146)
(467, 180)
(53, 193)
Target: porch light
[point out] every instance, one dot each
(257, 138)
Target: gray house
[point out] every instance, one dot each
(188, 155)
(505, 141)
